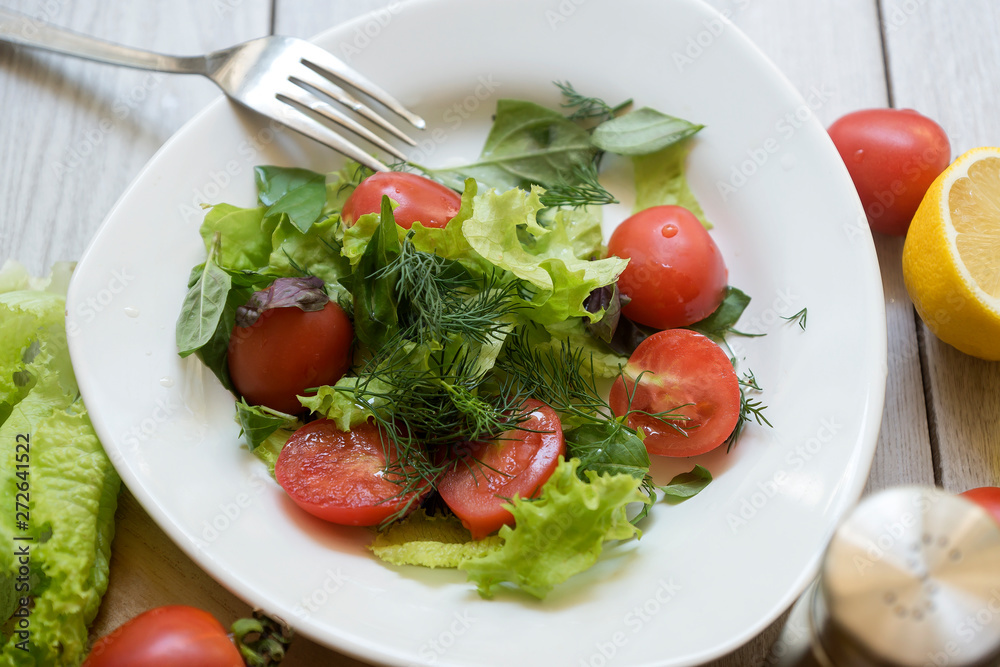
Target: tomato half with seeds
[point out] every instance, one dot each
(420, 199)
(675, 275)
(679, 367)
(340, 476)
(489, 473)
(171, 636)
(288, 350)
(986, 496)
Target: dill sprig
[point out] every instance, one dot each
(587, 108)
(799, 317)
(750, 408)
(582, 190)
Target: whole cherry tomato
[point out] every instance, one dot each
(420, 199)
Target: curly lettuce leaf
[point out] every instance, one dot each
(430, 541)
(245, 234)
(559, 534)
(73, 487)
(336, 402)
(298, 194)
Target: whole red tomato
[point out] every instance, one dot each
(893, 156)
(288, 350)
(675, 275)
(172, 636)
(420, 199)
(986, 496)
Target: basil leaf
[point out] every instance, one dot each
(527, 144)
(721, 321)
(660, 181)
(203, 305)
(298, 193)
(215, 352)
(373, 284)
(257, 422)
(608, 448)
(686, 485)
(641, 132)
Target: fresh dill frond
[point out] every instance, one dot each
(587, 108)
(750, 408)
(799, 317)
(582, 190)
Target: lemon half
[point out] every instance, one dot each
(951, 257)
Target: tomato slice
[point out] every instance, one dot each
(339, 475)
(683, 367)
(419, 199)
(519, 462)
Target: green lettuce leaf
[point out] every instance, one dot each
(430, 541)
(73, 487)
(245, 234)
(314, 253)
(559, 534)
(339, 405)
(660, 181)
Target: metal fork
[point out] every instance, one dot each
(275, 76)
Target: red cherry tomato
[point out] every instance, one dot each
(173, 636)
(683, 367)
(287, 351)
(675, 275)
(519, 462)
(339, 475)
(420, 199)
(893, 156)
(988, 497)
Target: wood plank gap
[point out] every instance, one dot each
(885, 62)
(932, 418)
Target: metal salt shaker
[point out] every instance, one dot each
(910, 579)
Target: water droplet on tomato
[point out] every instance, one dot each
(669, 230)
(859, 155)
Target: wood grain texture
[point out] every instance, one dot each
(944, 64)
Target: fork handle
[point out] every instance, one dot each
(27, 31)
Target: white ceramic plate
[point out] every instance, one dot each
(708, 574)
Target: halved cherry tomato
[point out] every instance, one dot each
(893, 156)
(519, 462)
(988, 497)
(339, 475)
(287, 351)
(420, 199)
(172, 636)
(676, 275)
(683, 367)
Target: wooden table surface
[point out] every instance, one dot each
(74, 134)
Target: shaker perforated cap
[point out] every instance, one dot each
(912, 578)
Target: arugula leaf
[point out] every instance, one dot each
(686, 485)
(373, 284)
(528, 144)
(298, 193)
(203, 305)
(660, 180)
(608, 448)
(641, 132)
(257, 422)
(723, 318)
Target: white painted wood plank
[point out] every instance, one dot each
(73, 133)
(943, 60)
